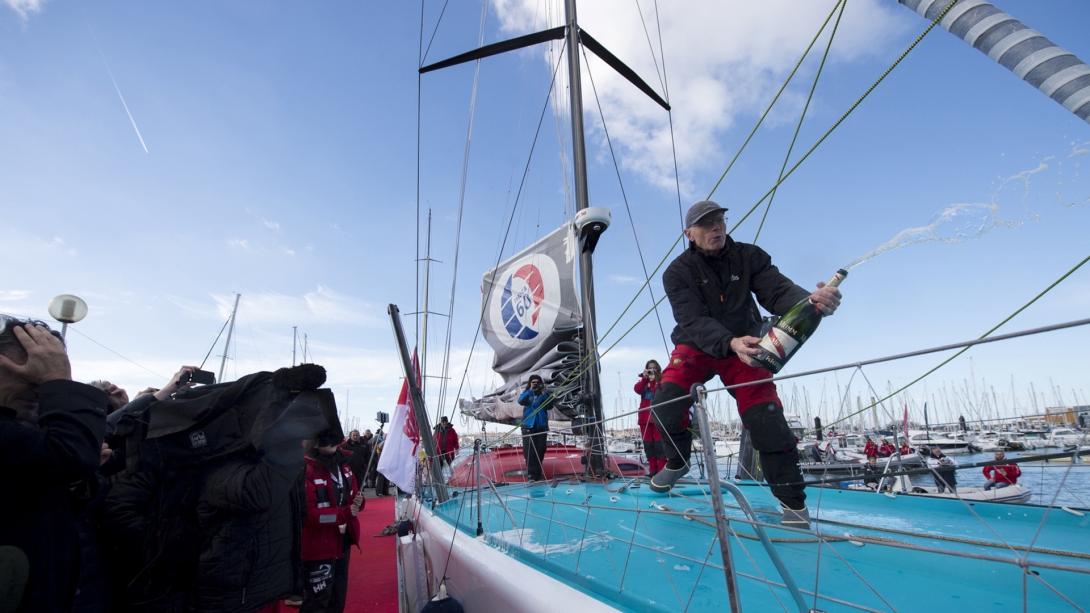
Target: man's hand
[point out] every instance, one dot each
(175, 383)
(104, 454)
(116, 397)
(745, 347)
(46, 359)
(826, 298)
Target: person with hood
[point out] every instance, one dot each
(51, 431)
(331, 527)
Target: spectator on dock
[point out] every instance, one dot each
(51, 431)
(944, 470)
(648, 384)
(535, 425)
(446, 441)
(1003, 475)
(331, 527)
(361, 455)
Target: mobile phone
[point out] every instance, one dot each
(200, 377)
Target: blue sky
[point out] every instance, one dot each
(281, 163)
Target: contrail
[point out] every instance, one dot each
(112, 79)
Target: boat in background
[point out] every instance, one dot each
(508, 465)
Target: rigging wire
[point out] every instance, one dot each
(624, 196)
(511, 219)
(802, 116)
(461, 209)
(76, 330)
(966, 348)
(774, 99)
(848, 112)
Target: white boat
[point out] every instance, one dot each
(602, 544)
(1012, 494)
(1065, 437)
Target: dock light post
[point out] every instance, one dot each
(67, 309)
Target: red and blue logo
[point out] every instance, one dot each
(520, 304)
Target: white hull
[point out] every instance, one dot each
(479, 574)
(1012, 494)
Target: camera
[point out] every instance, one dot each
(200, 377)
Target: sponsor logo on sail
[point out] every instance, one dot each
(524, 301)
(521, 302)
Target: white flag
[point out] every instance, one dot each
(398, 459)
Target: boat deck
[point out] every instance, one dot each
(641, 551)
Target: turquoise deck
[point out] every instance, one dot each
(618, 548)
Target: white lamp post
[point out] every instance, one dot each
(67, 309)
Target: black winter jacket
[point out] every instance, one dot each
(206, 503)
(37, 463)
(712, 297)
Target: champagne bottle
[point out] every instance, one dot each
(792, 330)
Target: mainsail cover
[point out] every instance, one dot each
(531, 317)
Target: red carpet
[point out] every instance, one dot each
(372, 573)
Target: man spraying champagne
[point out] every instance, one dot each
(711, 287)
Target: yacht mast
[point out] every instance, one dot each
(592, 387)
(227, 345)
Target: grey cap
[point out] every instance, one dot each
(699, 210)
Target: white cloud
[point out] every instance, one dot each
(724, 62)
(238, 242)
(272, 225)
(25, 7)
(14, 295)
(623, 279)
(322, 306)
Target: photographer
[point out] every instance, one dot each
(50, 436)
(535, 425)
(649, 382)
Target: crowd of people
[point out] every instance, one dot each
(225, 498)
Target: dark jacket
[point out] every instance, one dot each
(37, 463)
(361, 454)
(712, 297)
(205, 507)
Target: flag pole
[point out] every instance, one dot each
(419, 412)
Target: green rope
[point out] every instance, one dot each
(846, 113)
(963, 349)
(775, 98)
(802, 116)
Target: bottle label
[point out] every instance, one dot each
(779, 343)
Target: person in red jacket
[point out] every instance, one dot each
(446, 441)
(1002, 475)
(886, 448)
(870, 449)
(905, 449)
(650, 380)
(331, 527)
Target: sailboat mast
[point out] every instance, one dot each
(227, 345)
(592, 387)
